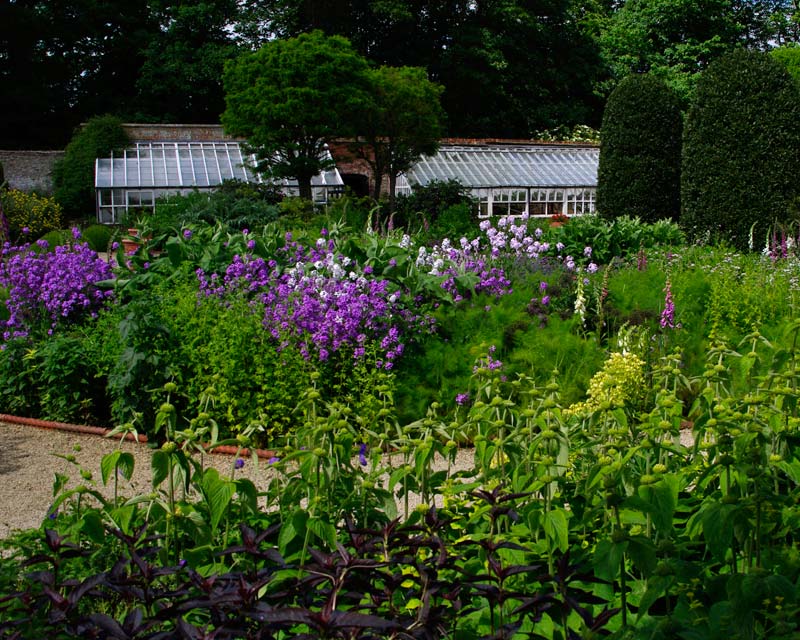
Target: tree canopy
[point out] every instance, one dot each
(509, 68)
(292, 96)
(402, 121)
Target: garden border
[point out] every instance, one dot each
(101, 431)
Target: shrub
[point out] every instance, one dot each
(640, 151)
(30, 213)
(238, 205)
(741, 149)
(73, 175)
(98, 237)
(423, 208)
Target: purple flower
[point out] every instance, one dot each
(238, 464)
(25, 230)
(274, 460)
(181, 563)
(545, 300)
(362, 454)
(368, 269)
(114, 246)
(591, 268)
(587, 251)
(462, 398)
(393, 262)
(187, 234)
(668, 314)
(251, 244)
(542, 286)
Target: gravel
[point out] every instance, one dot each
(29, 460)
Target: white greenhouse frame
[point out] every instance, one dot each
(148, 171)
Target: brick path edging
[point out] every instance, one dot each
(100, 431)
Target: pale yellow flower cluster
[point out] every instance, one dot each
(619, 382)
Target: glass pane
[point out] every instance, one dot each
(537, 208)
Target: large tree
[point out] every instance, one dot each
(290, 97)
(63, 62)
(672, 39)
(181, 75)
(741, 149)
(640, 151)
(402, 122)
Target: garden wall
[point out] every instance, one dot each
(30, 170)
(176, 133)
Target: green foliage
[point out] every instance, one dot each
(621, 237)
(402, 122)
(38, 214)
(640, 151)
(73, 175)
(290, 97)
(98, 237)
(741, 149)
(789, 56)
(18, 390)
(236, 205)
(66, 384)
(421, 211)
(671, 39)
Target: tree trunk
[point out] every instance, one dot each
(392, 187)
(304, 185)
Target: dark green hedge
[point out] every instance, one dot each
(640, 151)
(741, 150)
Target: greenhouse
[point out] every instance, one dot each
(537, 179)
(147, 171)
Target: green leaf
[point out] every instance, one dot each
(325, 531)
(607, 557)
(556, 529)
(217, 493)
(642, 553)
(160, 467)
(108, 465)
(92, 526)
(661, 499)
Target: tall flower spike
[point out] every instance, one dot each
(668, 314)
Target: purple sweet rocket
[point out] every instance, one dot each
(50, 287)
(321, 302)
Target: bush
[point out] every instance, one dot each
(30, 213)
(98, 237)
(73, 175)
(640, 151)
(741, 149)
(423, 208)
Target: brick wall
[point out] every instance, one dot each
(30, 170)
(176, 133)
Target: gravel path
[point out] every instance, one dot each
(29, 460)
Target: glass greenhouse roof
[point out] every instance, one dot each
(185, 165)
(509, 166)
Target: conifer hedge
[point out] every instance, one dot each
(640, 151)
(741, 150)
